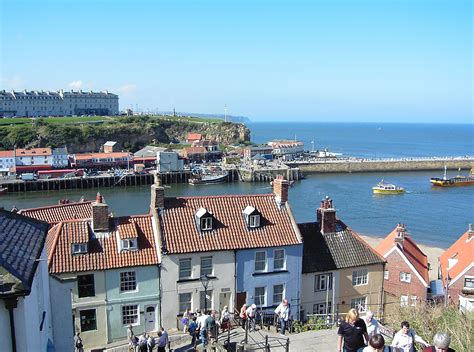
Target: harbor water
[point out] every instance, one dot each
(433, 216)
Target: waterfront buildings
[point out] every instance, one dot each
(101, 160)
(25, 310)
(60, 103)
(406, 276)
(456, 269)
(33, 159)
(168, 161)
(340, 271)
(60, 158)
(286, 148)
(7, 162)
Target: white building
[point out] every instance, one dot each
(7, 162)
(286, 147)
(60, 158)
(168, 162)
(34, 157)
(41, 103)
(24, 287)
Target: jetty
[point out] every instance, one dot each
(349, 165)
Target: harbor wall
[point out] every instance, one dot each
(348, 166)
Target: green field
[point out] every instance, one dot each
(96, 119)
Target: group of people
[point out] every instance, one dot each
(359, 335)
(145, 342)
(249, 313)
(205, 325)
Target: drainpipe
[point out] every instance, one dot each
(11, 304)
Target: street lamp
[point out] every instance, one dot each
(205, 282)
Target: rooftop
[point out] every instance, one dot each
(56, 213)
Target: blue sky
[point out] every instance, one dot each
(334, 60)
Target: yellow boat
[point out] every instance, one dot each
(387, 188)
(453, 181)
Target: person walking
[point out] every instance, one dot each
(150, 343)
(283, 312)
(251, 315)
(163, 341)
(212, 327)
(193, 330)
(441, 341)
(225, 319)
(377, 344)
(352, 331)
(201, 321)
(78, 345)
(405, 338)
(130, 336)
(185, 320)
(142, 342)
(371, 323)
(243, 315)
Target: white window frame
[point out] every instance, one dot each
(405, 277)
(206, 223)
(186, 303)
(202, 299)
(79, 248)
(321, 284)
(283, 266)
(261, 297)
(279, 299)
(359, 303)
(254, 221)
(386, 274)
(128, 281)
(126, 323)
(183, 260)
(259, 261)
(129, 244)
(360, 277)
(404, 301)
(320, 308)
(205, 269)
(469, 279)
(413, 301)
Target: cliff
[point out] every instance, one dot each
(131, 132)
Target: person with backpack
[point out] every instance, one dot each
(405, 338)
(193, 330)
(212, 327)
(377, 344)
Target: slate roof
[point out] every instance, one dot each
(57, 213)
(336, 250)
(102, 252)
(412, 252)
(21, 243)
(181, 235)
(462, 255)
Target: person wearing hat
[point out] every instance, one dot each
(251, 313)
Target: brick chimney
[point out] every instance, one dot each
(100, 215)
(326, 215)
(157, 195)
(401, 233)
(280, 190)
(470, 232)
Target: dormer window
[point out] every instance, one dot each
(129, 244)
(204, 219)
(252, 217)
(79, 248)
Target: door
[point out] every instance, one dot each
(150, 318)
(241, 300)
(224, 300)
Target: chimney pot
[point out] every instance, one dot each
(157, 195)
(326, 216)
(98, 198)
(280, 190)
(100, 215)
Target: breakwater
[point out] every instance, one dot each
(381, 165)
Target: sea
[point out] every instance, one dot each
(433, 216)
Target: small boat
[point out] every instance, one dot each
(387, 188)
(3, 190)
(453, 181)
(206, 179)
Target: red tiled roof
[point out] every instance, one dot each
(180, 234)
(127, 228)
(33, 152)
(410, 249)
(87, 156)
(194, 150)
(194, 136)
(56, 213)
(102, 253)
(463, 251)
(6, 153)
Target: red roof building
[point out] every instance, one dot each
(193, 137)
(53, 214)
(406, 277)
(456, 269)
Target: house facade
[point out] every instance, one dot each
(113, 263)
(7, 162)
(60, 158)
(456, 270)
(24, 290)
(340, 271)
(33, 159)
(218, 241)
(406, 276)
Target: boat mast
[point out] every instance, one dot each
(445, 173)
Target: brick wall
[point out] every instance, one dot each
(456, 288)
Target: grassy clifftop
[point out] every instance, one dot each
(89, 133)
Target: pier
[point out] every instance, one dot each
(349, 165)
